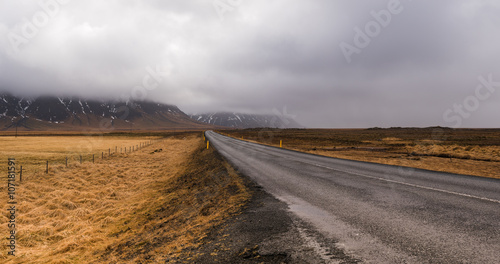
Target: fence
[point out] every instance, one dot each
(34, 168)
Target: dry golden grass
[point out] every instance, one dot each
(32, 152)
(468, 151)
(140, 207)
(459, 166)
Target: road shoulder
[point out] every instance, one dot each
(265, 232)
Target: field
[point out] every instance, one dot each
(32, 152)
(144, 206)
(463, 151)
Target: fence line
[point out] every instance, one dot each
(67, 160)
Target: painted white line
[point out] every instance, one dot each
(407, 184)
(391, 181)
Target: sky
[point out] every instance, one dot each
(325, 63)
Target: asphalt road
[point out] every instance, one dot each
(379, 213)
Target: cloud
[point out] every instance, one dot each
(263, 55)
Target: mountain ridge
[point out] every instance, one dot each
(241, 120)
(67, 113)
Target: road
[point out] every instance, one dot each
(378, 213)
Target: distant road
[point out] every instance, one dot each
(379, 213)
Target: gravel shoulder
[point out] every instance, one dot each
(265, 232)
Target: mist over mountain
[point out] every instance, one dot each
(239, 120)
(57, 113)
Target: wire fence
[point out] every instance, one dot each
(36, 166)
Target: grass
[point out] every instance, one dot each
(141, 207)
(463, 151)
(32, 152)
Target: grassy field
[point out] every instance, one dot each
(463, 151)
(32, 152)
(141, 207)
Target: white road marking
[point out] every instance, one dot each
(407, 184)
(388, 180)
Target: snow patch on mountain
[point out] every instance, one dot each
(239, 120)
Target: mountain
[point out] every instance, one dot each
(238, 120)
(55, 113)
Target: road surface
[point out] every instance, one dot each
(379, 213)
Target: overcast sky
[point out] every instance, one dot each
(327, 63)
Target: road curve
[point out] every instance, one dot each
(379, 213)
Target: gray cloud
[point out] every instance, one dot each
(264, 55)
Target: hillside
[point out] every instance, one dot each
(54, 113)
(238, 120)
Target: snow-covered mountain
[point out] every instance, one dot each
(238, 120)
(49, 113)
